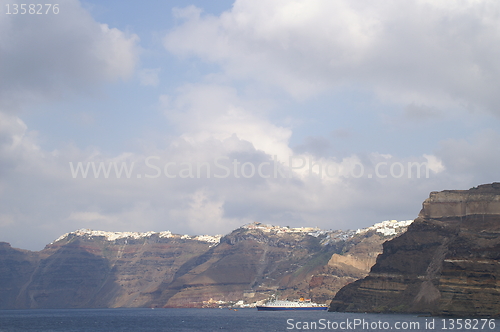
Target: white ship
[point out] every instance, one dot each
(301, 304)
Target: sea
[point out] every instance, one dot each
(159, 320)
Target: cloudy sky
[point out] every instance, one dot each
(200, 116)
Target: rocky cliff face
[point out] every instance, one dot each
(89, 269)
(257, 261)
(354, 261)
(447, 263)
(92, 269)
(16, 268)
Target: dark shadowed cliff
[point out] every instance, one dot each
(447, 263)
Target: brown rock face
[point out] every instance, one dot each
(16, 267)
(253, 264)
(447, 263)
(92, 272)
(95, 269)
(250, 264)
(358, 256)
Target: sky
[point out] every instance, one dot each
(200, 116)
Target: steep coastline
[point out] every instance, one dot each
(97, 269)
(447, 263)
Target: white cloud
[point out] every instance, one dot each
(436, 53)
(17, 144)
(47, 56)
(44, 58)
(203, 112)
(117, 51)
(434, 163)
(205, 214)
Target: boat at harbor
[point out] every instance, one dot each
(301, 304)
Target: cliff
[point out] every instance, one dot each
(447, 263)
(95, 269)
(257, 261)
(16, 268)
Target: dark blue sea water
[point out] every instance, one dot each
(138, 320)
